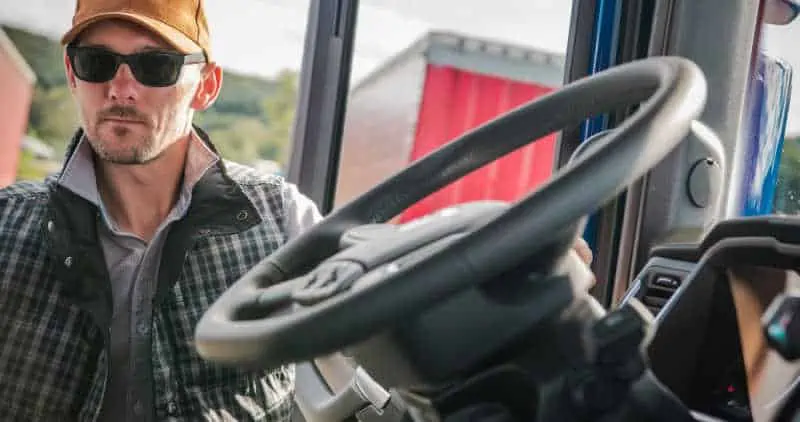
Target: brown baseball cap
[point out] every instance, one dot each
(182, 23)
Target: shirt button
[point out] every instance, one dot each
(242, 215)
(172, 408)
(143, 328)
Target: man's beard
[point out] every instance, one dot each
(141, 151)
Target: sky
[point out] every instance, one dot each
(783, 42)
(262, 37)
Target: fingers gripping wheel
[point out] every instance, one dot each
(279, 312)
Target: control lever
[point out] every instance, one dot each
(318, 404)
(614, 346)
(618, 382)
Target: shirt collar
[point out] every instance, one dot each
(79, 174)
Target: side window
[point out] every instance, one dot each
(781, 60)
(426, 72)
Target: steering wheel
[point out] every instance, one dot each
(323, 291)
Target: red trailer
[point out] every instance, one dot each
(16, 85)
(434, 91)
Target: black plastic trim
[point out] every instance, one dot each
(322, 99)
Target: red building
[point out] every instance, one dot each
(17, 82)
(440, 87)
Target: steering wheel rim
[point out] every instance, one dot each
(671, 92)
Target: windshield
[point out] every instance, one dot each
(778, 149)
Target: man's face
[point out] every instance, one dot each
(125, 121)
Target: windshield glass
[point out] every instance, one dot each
(426, 72)
(780, 122)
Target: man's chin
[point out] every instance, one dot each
(124, 157)
(112, 150)
(122, 160)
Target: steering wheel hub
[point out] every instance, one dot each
(327, 281)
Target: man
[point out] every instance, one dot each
(106, 268)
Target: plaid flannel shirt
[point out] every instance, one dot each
(55, 302)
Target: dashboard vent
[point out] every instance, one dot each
(658, 289)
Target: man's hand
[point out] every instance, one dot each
(583, 250)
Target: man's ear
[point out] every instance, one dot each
(208, 90)
(68, 71)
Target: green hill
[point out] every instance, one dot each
(244, 122)
(42, 54)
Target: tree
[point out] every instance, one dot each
(240, 141)
(45, 56)
(243, 137)
(787, 191)
(54, 116)
(29, 168)
(280, 109)
(243, 95)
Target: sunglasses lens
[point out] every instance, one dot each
(94, 65)
(151, 68)
(157, 69)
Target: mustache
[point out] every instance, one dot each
(121, 112)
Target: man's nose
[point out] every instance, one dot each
(123, 87)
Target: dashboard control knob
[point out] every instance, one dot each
(782, 326)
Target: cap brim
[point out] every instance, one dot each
(172, 36)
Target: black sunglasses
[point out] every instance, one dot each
(151, 68)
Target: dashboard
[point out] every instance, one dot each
(710, 347)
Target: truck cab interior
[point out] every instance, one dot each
(480, 311)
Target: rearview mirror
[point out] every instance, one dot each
(780, 12)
